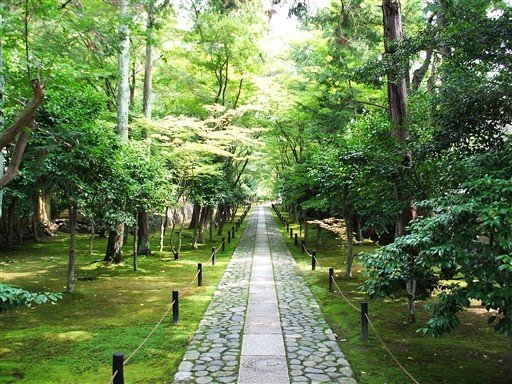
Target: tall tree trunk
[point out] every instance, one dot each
(143, 245)
(397, 85)
(350, 242)
(2, 91)
(397, 95)
(114, 253)
(72, 248)
(123, 94)
(147, 94)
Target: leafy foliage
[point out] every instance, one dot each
(12, 297)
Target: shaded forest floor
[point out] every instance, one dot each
(473, 353)
(73, 340)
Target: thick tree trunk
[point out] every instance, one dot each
(350, 251)
(2, 91)
(114, 252)
(397, 85)
(72, 248)
(143, 244)
(123, 94)
(195, 216)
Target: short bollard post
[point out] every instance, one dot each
(213, 255)
(291, 233)
(199, 274)
(296, 239)
(176, 256)
(117, 368)
(175, 307)
(313, 260)
(331, 277)
(364, 321)
(287, 227)
(223, 244)
(233, 232)
(229, 237)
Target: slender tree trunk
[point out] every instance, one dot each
(306, 229)
(359, 232)
(72, 248)
(143, 247)
(350, 251)
(34, 229)
(211, 223)
(163, 224)
(147, 95)
(318, 235)
(411, 300)
(135, 250)
(123, 95)
(91, 237)
(2, 91)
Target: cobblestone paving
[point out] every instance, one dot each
(213, 354)
(312, 352)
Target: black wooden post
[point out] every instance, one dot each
(117, 368)
(287, 227)
(233, 232)
(213, 255)
(331, 277)
(364, 321)
(199, 274)
(176, 255)
(229, 237)
(296, 239)
(175, 307)
(291, 233)
(313, 260)
(223, 244)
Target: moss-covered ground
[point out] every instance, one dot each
(472, 354)
(72, 341)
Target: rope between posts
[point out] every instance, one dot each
(148, 336)
(345, 297)
(376, 333)
(390, 353)
(190, 285)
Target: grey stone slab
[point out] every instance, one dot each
(263, 344)
(263, 370)
(262, 298)
(262, 324)
(262, 309)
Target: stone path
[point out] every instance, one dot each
(263, 324)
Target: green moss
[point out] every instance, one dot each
(73, 340)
